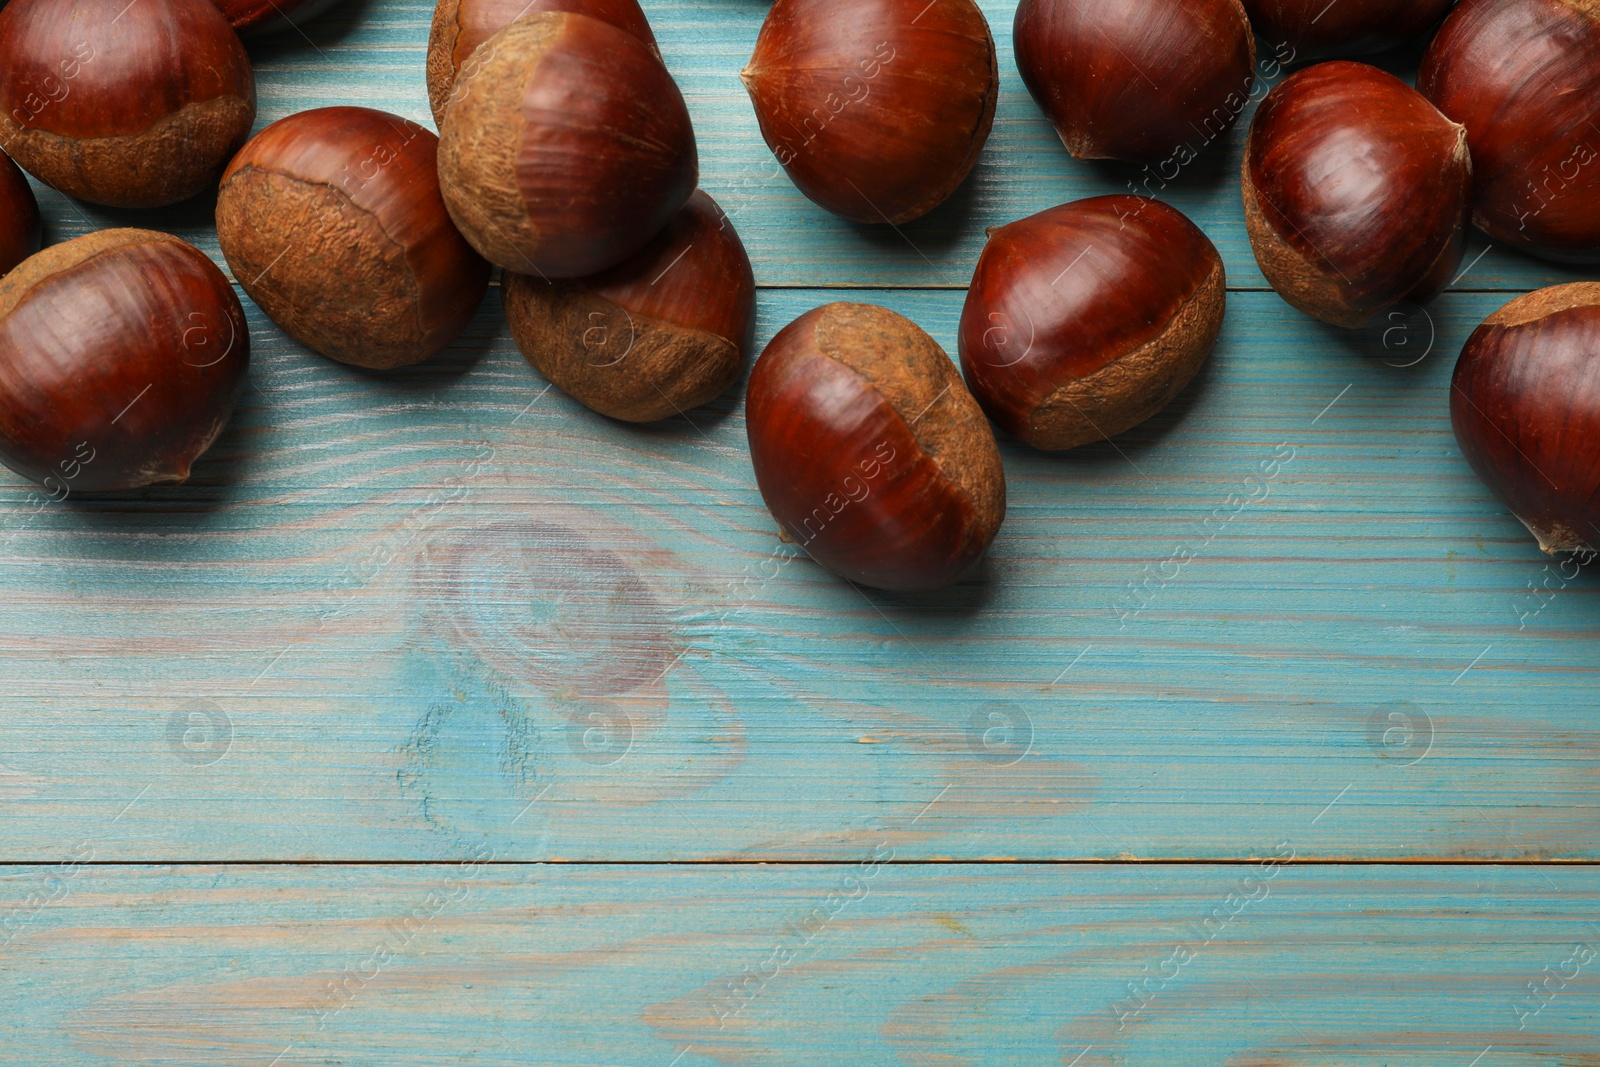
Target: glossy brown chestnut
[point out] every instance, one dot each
(131, 105)
(260, 18)
(332, 221)
(19, 216)
(1086, 319)
(121, 355)
(1355, 192)
(664, 331)
(1136, 80)
(460, 26)
(1317, 29)
(878, 109)
(1525, 405)
(1523, 76)
(870, 452)
(569, 148)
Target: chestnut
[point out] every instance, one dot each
(870, 452)
(121, 355)
(1355, 192)
(332, 221)
(1523, 76)
(129, 105)
(19, 216)
(460, 26)
(664, 331)
(1525, 406)
(1136, 80)
(1086, 319)
(259, 18)
(1317, 28)
(878, 109)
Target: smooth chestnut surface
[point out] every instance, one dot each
(1136, 80)
(1356, 192)
(665, 331)
(870, 452)
(121, 355)
(878, 109)
(1086, 319)
(460, 26)
(126, 105)
(1318, 28)
(1525, 406)
(1523, 76)
(333, 222)
(259, 18)
(569, 149)
(19, 216)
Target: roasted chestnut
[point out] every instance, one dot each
(259, 18)
(130, 105)
(568, 148)
(870, 452)
(1523, 76)
(1525, 405)
(1086, 319)
(1355, 192)
(1136, 80)
(663, 332)
(19, 216)
(460, 26)
(878, 109)
(332, 221)
(1320, 28)
(121, 355)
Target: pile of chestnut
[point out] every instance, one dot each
(566, 157)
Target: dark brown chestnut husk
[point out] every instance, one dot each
(460, 26)
(332, 221)
(1086, 319)
(1318, 29)
(568, 149)
(665, 331)
(262, 18)
(1525, 406)
(878, 109)
(128, 105)
(19, 216)
(1136, 80)
(1356, 192)
(143, 381)
(1523, 76)
(870, 452)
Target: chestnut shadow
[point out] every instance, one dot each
(191, 220)
(1215, 167)
(327, 30)
(933, 235)
(965, 600)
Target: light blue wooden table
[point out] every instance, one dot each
(442, 721)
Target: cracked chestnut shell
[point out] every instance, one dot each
(129, 105)
(1356, 192)
(1523, 76)
(1317, 28)
(568, 150)
(19, 216)
(261, 18)
(460, 26)
(665, 331)
(332, 221)
(1136, 80)
(870, 452)
(878, 109)
(121, 355)
(1086, 319)
(1525, 406)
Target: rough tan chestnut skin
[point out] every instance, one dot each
(878, 109)
(663, 332)
(19, 216)
(870, 452)
(567, 149)
(1086, 319)
(144, 379)
(130, 106)
(460, 26)
(332, 221)
(1315, 28)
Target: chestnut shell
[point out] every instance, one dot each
(19, 216)
(1355, 191)
(126, 105)
(1525, 406)
(1086, 319)
(1523, 76)
(869, 451)
(878, 109)
(1316, 28)
(332, 221)
(142, 378)
(665, 331)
